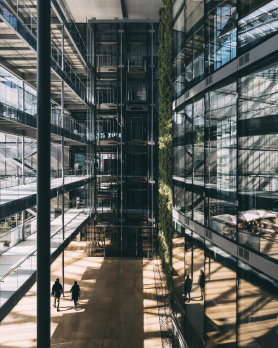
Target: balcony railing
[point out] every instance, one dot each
(57, 118)
(21, 13)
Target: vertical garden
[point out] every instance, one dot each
(165, 139)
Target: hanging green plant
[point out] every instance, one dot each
(165, 139)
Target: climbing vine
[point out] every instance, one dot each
(165, 139)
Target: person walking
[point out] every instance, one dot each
(187, 287)
(57, 290)
(201, 282)
(75, 293)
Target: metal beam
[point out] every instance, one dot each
(33, 58)
(15, 49)
(75, 106)
(9, 37)
(11, 68)
(43, 176)
(124, 12)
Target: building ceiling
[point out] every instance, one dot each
(83, 10)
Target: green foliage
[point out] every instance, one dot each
(165, 139)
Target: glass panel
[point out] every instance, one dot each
(257, 26)
(257, 309)
(178, 274)
(178, 161)
(221, 153)
(258, 166)
(178, 128)
(198, 162)
(220, 35)
(198, 55)
(179, 193)
(220, 298)
(194, 309)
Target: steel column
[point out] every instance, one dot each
(23, 162)
(122, 193)
(152, 142)
(23, 225)
(63, 157)
(23, 182)
(43, 173)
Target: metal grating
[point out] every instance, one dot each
(243, 59)
(246, 255)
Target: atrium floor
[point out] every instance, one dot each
(117, 307)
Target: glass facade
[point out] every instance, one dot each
(228, 304)
(224, 174)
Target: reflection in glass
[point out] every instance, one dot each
(220, 298)
(194, 301)
(257, 309)
(257, 161)
(221, 134)
(178, 275)
(257, 26)
(198, 161)
(220, 35)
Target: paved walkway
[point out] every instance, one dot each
(117, 308)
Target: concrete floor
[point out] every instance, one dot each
(117, 307)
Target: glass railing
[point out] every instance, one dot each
(56, 54)
(21, 272)
(14, 180)
(73, 27)
(28, 17)
(13, 236)
(57, 118)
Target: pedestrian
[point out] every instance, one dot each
(187, 287)
(201, 282)
(57, 290)
(75, 293)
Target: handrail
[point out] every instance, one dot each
(13, 229)
(53, 111)
(13, 10)
(33, 252)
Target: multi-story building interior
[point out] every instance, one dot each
(104, 153)
(225, 173)
(104, 112)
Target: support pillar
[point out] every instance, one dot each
(23, 182)
(23, 162)
(23, 225)
(63, 159)
(43, 173)
(63, 210)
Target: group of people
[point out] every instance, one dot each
(57, 291)
(188, 285)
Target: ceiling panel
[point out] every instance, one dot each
(142, 9)
(100, 9)
(109, 9)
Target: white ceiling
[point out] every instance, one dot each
(83, 10)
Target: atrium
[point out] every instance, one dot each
(138, 157)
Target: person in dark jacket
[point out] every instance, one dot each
(57, 290)
(201, 282)
(75, 293)
(188, 287)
